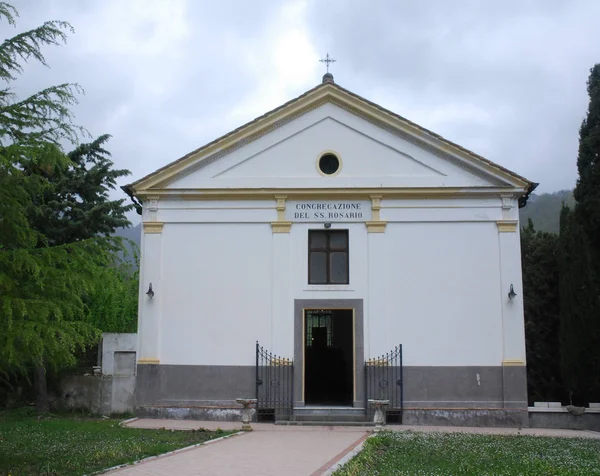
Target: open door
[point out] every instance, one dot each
(329, 353)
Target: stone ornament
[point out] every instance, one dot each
(379, 418)
(247, 403)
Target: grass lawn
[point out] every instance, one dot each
(69, 445)
(415, 453)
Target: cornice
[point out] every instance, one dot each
(328, 193)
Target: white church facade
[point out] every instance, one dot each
(333, 231)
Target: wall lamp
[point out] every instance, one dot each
(511, 292)
(327, 225)
(150, 293)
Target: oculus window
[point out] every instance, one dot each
(328, 257)
(329, 164)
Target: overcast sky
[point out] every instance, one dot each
(506, 79)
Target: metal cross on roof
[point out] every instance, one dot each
(327, 61)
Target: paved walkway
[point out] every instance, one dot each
(269, 450)
(280, 450)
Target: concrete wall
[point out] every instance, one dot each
(113, 391)
(561, 418)
(116, 352)
(89, 392)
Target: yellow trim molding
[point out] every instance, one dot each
(513, 363)
(323, 193)
(280, 207)
(376, 226)
(507, 226)
(153, 227)
(375, 207)
(148, 361)
(281, 226)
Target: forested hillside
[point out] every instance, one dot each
(544, 209)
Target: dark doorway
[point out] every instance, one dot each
(329, 354)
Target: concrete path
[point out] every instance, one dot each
(281, 450)
(269, 450)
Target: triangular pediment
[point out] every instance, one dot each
(363, 155)
(376, 148)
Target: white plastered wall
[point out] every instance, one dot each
(436, 281)
(217, 285)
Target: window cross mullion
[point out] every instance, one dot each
(324, 243)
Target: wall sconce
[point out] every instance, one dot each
(327, 225)
(511, 292)
(150, 293)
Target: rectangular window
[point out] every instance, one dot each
(328, 257)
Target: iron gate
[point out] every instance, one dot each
(383, 381)
(274, 386)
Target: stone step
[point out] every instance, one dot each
(324, 423)
(335, 417)
(314, 414)
(323, 410)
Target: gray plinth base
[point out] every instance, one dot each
(491, 417)
(207, 413)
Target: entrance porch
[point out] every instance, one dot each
(328, 379)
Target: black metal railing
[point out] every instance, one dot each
(383, 381)
(274, 386)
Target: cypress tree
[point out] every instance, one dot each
(587, 190)
(579, 262)
(579, 312)
(540, 294)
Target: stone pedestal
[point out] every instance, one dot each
(379, 418)
(247, 403)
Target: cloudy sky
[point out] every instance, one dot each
(506, 79)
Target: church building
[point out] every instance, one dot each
(328, 253)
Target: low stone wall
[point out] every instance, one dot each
(89, 392)
(100, 394)
(561, 418)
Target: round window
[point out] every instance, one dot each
(329, 164)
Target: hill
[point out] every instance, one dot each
(134, 234)
(544, 209)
